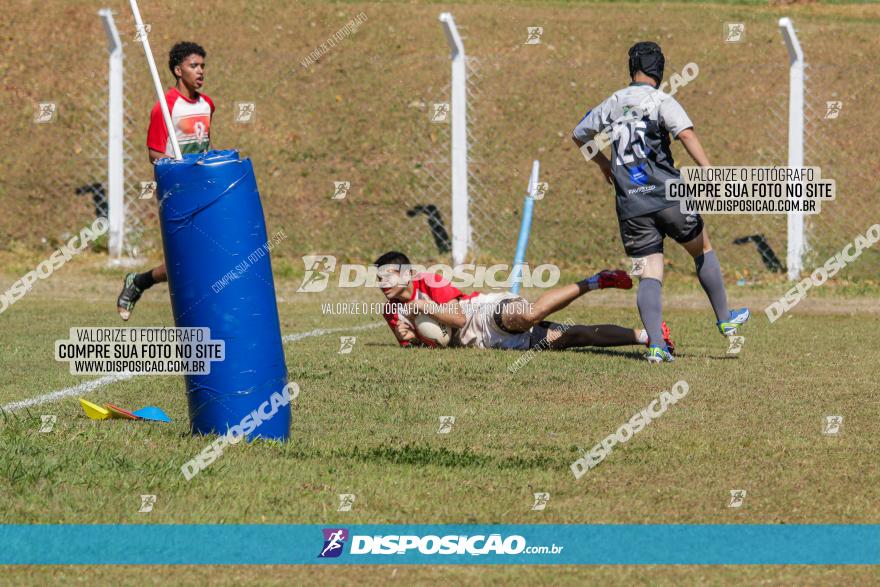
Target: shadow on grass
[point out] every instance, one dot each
(634, 355)
(410, 454)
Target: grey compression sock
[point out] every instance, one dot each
(709, 274)
(651, 309)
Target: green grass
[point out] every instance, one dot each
(366, 423)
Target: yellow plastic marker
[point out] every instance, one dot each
(94, 411)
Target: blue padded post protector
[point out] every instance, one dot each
(213, 227)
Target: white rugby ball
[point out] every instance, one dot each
(433, 331)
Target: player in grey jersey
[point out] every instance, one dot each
(639, 120)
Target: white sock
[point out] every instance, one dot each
(643, 336)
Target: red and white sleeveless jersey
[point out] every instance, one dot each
(191, 120)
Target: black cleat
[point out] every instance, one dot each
(129, 297)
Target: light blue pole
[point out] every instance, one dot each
(525, 228)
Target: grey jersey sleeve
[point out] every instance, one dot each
(672, 117)
(594, 122)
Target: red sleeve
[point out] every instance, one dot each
(210, 103)
(439, 289)
(157, 135)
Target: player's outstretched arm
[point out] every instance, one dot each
(694, 147)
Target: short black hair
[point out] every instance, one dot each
(392, 258)
(181, 51)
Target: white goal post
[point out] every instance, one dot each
(115, 138)
(461, 229)
(796, 240)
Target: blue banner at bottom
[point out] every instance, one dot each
(733, 544)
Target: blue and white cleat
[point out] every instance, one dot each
(737, 319)
(658, 355)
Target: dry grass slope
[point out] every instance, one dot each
(360, 114)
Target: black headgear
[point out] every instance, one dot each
(648, 58)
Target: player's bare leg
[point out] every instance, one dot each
(160, 273)
(519, 317)
(135, 285)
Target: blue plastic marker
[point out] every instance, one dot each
(152, 413)
(525, 228)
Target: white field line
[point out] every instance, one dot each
(319, 331)
(79, 389)
(87, 387)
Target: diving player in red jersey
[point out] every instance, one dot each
(496, 320)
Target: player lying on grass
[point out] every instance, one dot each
(191, 114)
(496, 320)
(639, 119)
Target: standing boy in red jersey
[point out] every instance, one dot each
(191, 114)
